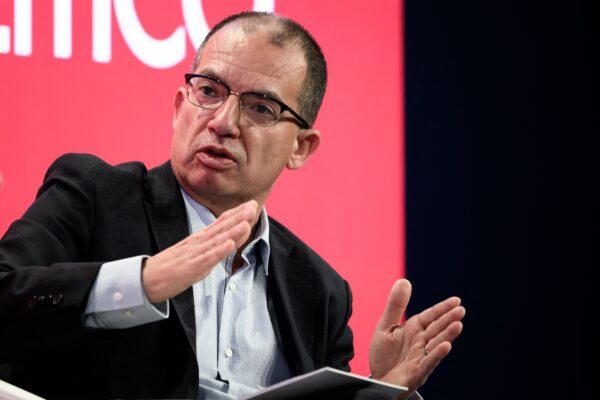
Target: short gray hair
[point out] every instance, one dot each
(286, 31)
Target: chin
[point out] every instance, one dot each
(207, 184)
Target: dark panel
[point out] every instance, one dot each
(484, 177)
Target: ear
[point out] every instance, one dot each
(307, 142)
(178, 103)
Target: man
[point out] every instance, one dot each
(122, 282)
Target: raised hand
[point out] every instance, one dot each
(407, 354)
(173, 270)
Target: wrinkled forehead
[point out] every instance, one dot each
(247, 57)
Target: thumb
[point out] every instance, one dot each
(396, 305)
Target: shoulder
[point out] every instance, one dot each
(301, 252)
(80, 164)
(87, 177)
(91, 172)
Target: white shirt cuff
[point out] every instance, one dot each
(117, 299)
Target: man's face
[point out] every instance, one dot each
(219, 158)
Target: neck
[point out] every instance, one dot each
(219, 205)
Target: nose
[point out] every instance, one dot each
(225, 119)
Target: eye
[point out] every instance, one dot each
(259, 107)
(263, 109)
(207, 90)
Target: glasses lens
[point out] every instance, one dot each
(260, 110)
(207, 93)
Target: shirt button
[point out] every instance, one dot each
(117, 296)
(232, 286)
(228, 353)
(57, 299)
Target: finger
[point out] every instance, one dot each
(238, 233)
(246, 213)
(396, 305)
(437, 326)
(449, 334)
(431, 314)
(248, 209)
(428, 361)
(228, 213)
(206, 255)
(433, 358)
(167, 274)
(206, 261)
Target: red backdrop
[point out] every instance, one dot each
(99, 77)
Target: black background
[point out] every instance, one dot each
(485, 106)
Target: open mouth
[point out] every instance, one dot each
(216, 157)
(217, 153)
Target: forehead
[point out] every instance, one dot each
(248, 61)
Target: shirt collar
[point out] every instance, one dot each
(205, 217)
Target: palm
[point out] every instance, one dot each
(398, 351)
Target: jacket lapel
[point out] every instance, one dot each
(290, 287)
(168, 221)
(291, 302)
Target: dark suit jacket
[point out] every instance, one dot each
(88, 212)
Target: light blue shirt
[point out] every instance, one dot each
(234, 335)
(239, 343)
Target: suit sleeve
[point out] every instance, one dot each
(341, 350)
(45, 277)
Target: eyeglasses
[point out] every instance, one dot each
(256, 108)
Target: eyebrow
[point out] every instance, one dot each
(214, 75)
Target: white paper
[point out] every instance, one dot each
(323, 379)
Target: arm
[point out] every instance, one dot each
(340, 349)
(44, 275)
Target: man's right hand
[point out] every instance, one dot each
(173, 270)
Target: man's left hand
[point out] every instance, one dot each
(407, 354)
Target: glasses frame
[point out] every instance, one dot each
(284, 107)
